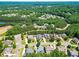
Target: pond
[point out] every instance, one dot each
(2, 22)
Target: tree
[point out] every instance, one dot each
(9, 37)
(54, 53)
(14, 44)
(23, 36)
(69, 46)
(1, 47)
(57, 53)
(73, 30)
(58, 44)
(66, 38)
(51, 40)
(37, 55)
(74, 18)
(38, 44)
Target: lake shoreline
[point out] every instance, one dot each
(4, 29)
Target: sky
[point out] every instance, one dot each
(39, 0)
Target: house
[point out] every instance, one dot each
(39, 36)
(46, 16)
(29, 50)
(46, 24)
(23, 26)
(73, 53)
(49, 48)
(53, 25)
(10, 15)
(62, 35)
(55, 36)
(23, 16)
(30, 37)
(8, 42)
(78, 47)
(8, 52)
(51, 35)
(47, 36)
(68, 13)
(40, 49)
(66, 43)
(62, 48)
(18, 37)
(44, 40)
(76, 40)
(40, 27)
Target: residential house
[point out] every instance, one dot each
(40, 49)
(29, 50)
(8, 52)
(76, 40)
(62, 48)
(46, 16)
(8, 42)
(73, 53)
(40, 27)
(39, 36)
(23, 16)
(30, 36)
(62, 35)
(50, 48)
(47, 36)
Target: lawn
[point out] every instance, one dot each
(20, 54)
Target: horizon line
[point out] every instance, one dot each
(39, 1)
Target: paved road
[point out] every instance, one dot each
(63, 28)
(19, 44)
(56, 28)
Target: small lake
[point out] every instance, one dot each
(2, 22)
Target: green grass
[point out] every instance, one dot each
(21, 50)
(23, 42)
(73, 43)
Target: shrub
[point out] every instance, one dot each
(14, 45)
(57, 53)
(58, 44)
(54, 53)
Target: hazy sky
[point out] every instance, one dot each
(39, 0)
